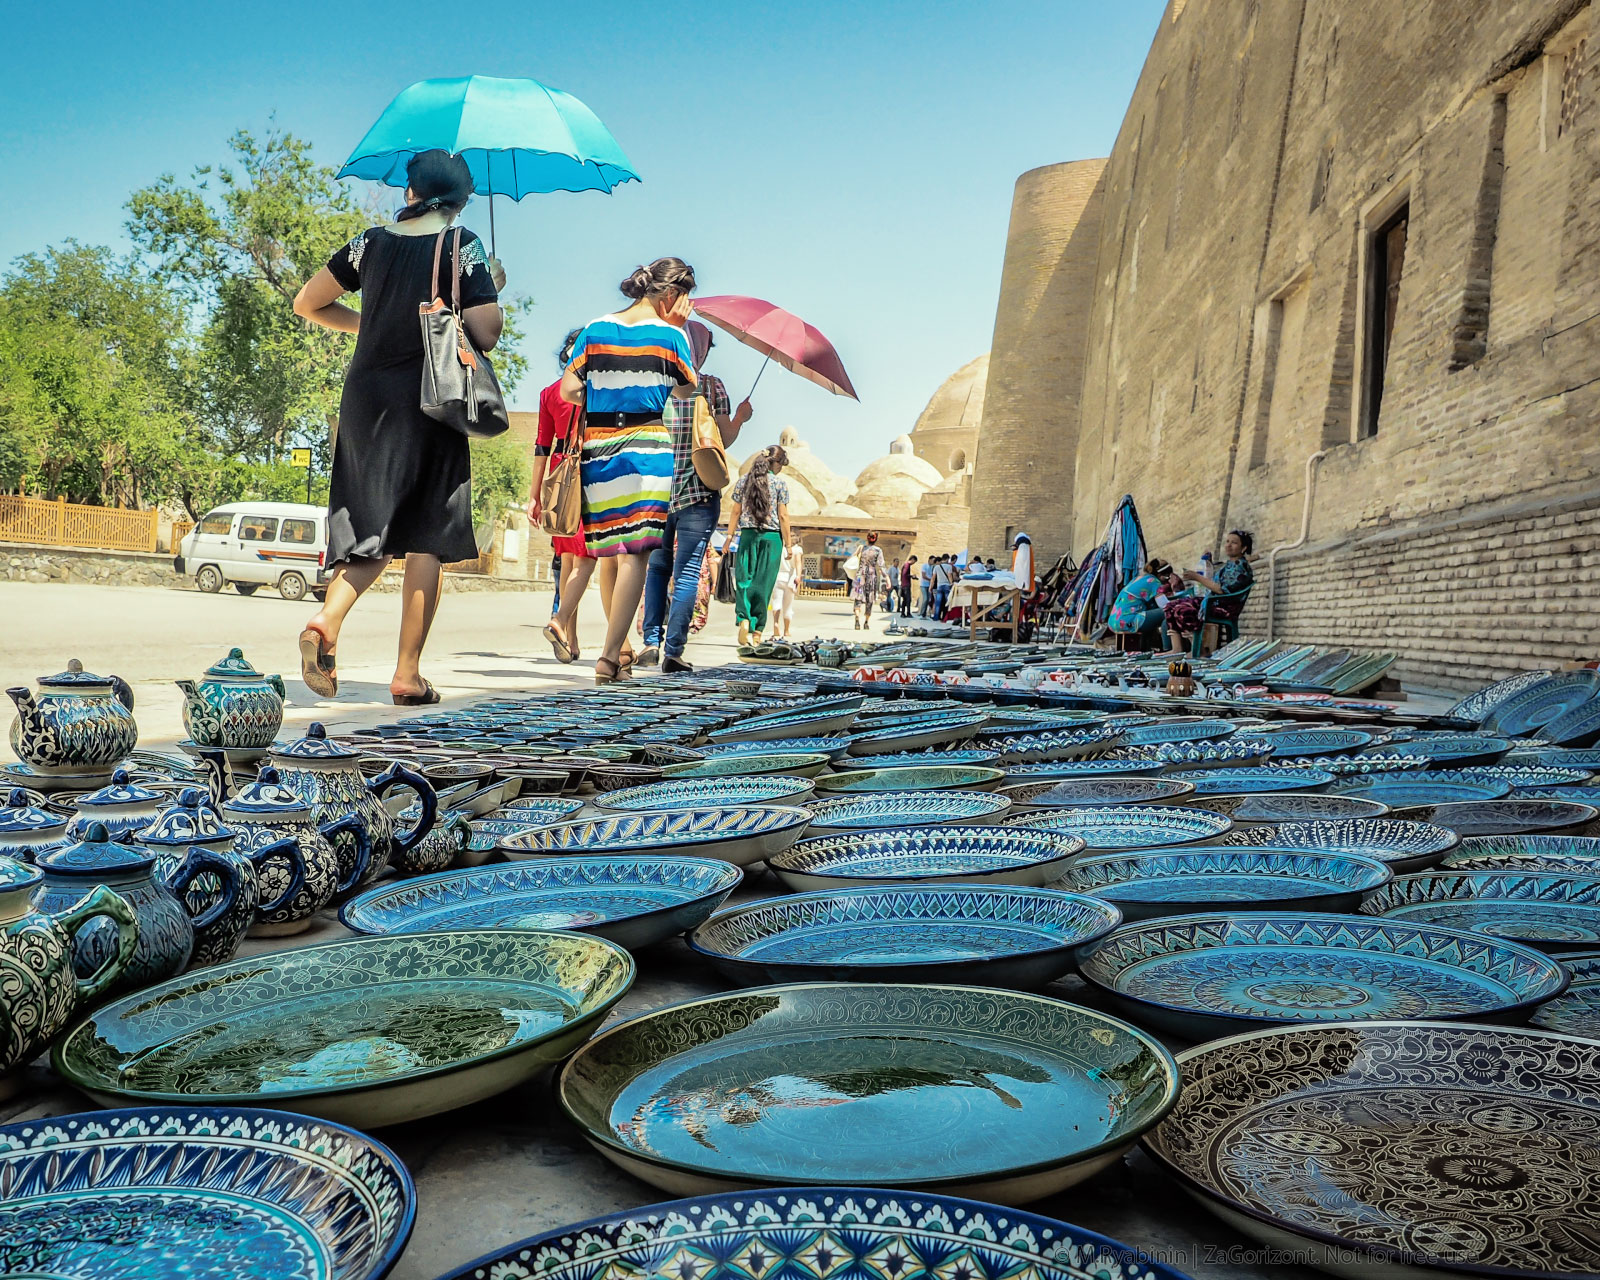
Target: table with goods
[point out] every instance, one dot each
(949, 960)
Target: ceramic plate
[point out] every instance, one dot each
(1147, 885)
(1361, 764)
(1236, 752)
(1399, 793)
(1035, 746)
(738, 835)
(1542, 703)
(833, 748)
(998, 1093)
(700, 793)
(1404, 845)
(1126, 764)
(912, 735)
(529, 808)
(1236, 782)
(851, 1232)
(1579, 727)
(1448, 750)
(940, 777)
(1546, 779)
(906, 809)
(1551, 912)
(1200, 976)
(1077, 792)
(1146, 735)
(1317, 742)
(822, 723)
(794, 764)
(1510, 817)
(369, 1031)
(632, 901)
(1475, 706)
(199, 1194)
(992, 935)
(1133, 826)
(1398, 1149)
(1291, 806)
(914, 855)
(1561, 855)
(1576, 1011)
(924, 759)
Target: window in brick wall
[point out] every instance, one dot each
(1386, 260)
(1571, 77)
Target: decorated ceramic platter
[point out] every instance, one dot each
(1404, 845)
(1238, 782)
(1178, 882)
(1449, 750)
(1542, 703)
(1397, 1149)
(1546, 779)
(1317, 742)
(740, 835)
(1587, 759)
(1291, 806)
(632, 901)
(905, 809)
(702, 793)
(794, 764)
(1476, 706)
(1576, 1011)
(1560, 855)
(1187, 730)
(1114, 764)
(1544, 910)
(1039, 745)
(806, 724)
(366, 1031)
(1359, 764)
(938, 777)
(1199, 976)
(992, 935)
(786, 1233)
(533, 808)
(1129, 826)
(1236, 752)
(915, 734)
(918, 855)
(995, 1093)
(925, 759)
(1399, 792)
(1076, 792)
(1510, 817)
(199, 1193)
(833, 748)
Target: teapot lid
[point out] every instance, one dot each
(191, 820)
(95, 854)
(74, 677)
(18, 817)
(234, 667)
(123, 790)
(17, 875)
(314, 746)
(267, 797)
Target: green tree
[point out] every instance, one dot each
(500, 478)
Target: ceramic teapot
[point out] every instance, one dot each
(77, 727)
(26, 830)
(165, 931)
(328, 776)
(233, 705)
(124, 808)
(41, 992)
(299, 867)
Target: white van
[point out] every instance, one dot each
(282, 544)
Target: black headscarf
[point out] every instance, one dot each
(438, 180)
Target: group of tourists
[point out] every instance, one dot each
(1166, 609)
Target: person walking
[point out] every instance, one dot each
(891, 587)
(925, 604)
(402, 482)
(944, 576)
(624, 368)
(674, 574)
(791, 574)
(559, 434)
(907, 576)
(868, 584)
(759, 512)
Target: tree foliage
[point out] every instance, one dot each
(500, 477)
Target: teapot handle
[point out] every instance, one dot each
(289, 850)
(195, 863)
(122, 691)
(277, 686)
(103, 901)
(397, 775)
(354, 824)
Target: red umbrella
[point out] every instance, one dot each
(779, 336)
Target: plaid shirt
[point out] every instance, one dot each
(678, 416)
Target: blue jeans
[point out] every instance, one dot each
(677, 561)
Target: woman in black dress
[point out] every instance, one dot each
(402, 482)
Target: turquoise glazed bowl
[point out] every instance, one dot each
(1538, 909)
(1404, 845)
(1129, 826)
(905, 809)
(794, 764)
(737, 835)
(970, 1089)
(942, 777)
(699, 793)
(1561, 855)
(919, 855)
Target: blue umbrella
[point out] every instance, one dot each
(518, 137)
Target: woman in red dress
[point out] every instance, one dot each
(558, 425)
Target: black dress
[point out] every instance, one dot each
(401, 481)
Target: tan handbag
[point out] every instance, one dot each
(561, 490)
(710, 457)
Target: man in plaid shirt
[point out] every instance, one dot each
(674, 576)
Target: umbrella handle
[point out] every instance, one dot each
(491, 225)
(759, 372)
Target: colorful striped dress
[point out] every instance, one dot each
(627, 467)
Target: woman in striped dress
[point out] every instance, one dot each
(624, 369)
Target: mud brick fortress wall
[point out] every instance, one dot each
(1297, 184)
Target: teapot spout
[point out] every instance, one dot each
(220, 780)
(191, 692)
(23, 697)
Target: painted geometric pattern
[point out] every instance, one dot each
(1127, 826)
(202, 1194)
(691, 793)
(1108, 765)
(1385, 838)
(1319, 741)
(1200, 731)
(1346, 766)
(1546, 908)
(819, 1235)
(674, 827)
(1060, 744)
(1576, 1011)
(1578, 855)
(69, 731)
(1213, 753)
(904, 808)
(231, 716)
(913, 851)
(1471, 1145)
(1266, 778)
(1234, 873)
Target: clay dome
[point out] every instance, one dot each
(892, 486)
(946, 433)
(845, 510)
(805, 471)
(900, 444)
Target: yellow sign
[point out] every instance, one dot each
(300, 457)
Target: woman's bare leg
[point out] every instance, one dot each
(419, 601)
(349, 580)
(627, 587)
(575, 574)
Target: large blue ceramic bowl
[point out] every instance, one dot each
(1539, 909)
(918, 855)
(1162, 731)
(906, 809)
(200, 1193)
(1402, 791)
(1147, 885)
(1509, 817)
(938, 777)
(738, 834)
(1291, 806)
(833, 748)
(1548, 780)
(700, 793)
(1202, 976)
(1576, 1011)
(991, 935)
(632, 901)
(1449, 750)
(923, 759)
(915, 733)
(1559, 855)
(1129, 826)
(1067, 793)
(859, 1232)
(1317, 742)
(1253, 781)
(1114, 764)
(1404, 845)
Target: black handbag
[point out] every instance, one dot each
(727, 589)
(459, 387)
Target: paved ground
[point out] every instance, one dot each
(482, 642)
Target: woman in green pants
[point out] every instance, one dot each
(759, 512)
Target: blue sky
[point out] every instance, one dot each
(851, 161)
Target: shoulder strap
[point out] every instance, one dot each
(438, 248)
(455, 273)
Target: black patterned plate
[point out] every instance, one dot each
(1477, 706)
(1540, 909)
(1379, 1147)
(1576, 1011)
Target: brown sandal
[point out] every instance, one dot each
(426, 698)
(601, 677)
(317, 668)
(564, 652)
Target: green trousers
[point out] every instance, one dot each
(756, 570)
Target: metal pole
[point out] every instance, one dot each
(491, 224)
(310, 466)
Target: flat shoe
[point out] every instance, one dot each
(563, 654)
(426, 698)
(316, 665)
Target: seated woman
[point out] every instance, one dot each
(1136, 611)
(1228, 588)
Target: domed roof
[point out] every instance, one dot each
(958, 404)
(898, 465)
(806, 471)
(900, 444)
(846, 510)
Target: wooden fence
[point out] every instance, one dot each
(66, 524)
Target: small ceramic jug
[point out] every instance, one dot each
(41, 993)
(165, 932)
(233, 705)
(124, 809)
(27, 831)
(299, 872)
(439, 849)
(77, 727)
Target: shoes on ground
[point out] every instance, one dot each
(672, 666)
(649, 656)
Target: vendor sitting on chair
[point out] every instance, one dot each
(1138, 608)
(1230, 588)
